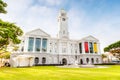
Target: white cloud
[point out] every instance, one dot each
(51, 2)
(31, 16)
(54, 2)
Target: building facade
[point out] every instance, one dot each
(59, 50)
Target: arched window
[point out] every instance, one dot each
(92, 60)
(36, 60)
(87, 60)
(97, 60)
(43, 60)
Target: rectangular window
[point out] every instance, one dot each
(95, 48)
(44, 45)
(37, 44)
(86, 47)
(91, 47)
(30, 44)
(80, 47)
(63, 50)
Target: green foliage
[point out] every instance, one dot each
(9, 33)
(15, 48)
(112, 46)
(104, 56)
(2, 7)
(5, 54)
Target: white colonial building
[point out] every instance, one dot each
(38, 48)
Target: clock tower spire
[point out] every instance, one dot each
(63, 24)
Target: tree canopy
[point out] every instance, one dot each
(3, 5)
(112, 46)
(9, 32)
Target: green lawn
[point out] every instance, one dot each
(55, 73)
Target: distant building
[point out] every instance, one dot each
(109, 58)
(41, 48)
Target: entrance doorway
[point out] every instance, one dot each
(81, 61)
(64, 61)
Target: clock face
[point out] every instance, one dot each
(63, 19)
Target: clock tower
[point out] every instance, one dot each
(63, 25)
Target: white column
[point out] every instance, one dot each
(57, 47)
(88, 48)
(53, 49)
(34, 44)
(78, 51)
(48, 46)
(26, 44)
(83, 48)
(93, 47)
(98, 47)
(68, 48)
(60, 47)
(41, 46)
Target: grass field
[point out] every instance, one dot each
(55, 73)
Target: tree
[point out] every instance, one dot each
(2, 7)
(114, 48)
(5, 55)
(9, 32)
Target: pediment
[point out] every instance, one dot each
(37, 32)
(89, 38)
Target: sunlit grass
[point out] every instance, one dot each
(55, 73)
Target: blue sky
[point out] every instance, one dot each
(100, 18)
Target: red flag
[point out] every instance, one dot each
(86, 47)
